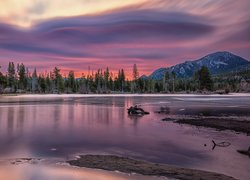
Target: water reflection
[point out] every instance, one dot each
(41, 172)
(102, 125)
(10, 121)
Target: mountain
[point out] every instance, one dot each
(217, 63)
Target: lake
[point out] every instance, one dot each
(55, 128)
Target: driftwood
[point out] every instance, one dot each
(135, 110)
(245, 152)
(220, 144)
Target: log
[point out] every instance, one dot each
(135, 110)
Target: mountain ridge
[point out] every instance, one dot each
(217, 63)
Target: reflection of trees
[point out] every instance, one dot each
(129, 102)
(20, 120)
(10, 120)
(71, 115)
(57, 116)
(35, 109)
(135, 119)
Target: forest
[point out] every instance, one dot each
(18, 79)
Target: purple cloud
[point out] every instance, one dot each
(145, 36)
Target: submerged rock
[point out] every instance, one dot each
(245, 152)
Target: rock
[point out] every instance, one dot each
(8, 90)
(245, 152)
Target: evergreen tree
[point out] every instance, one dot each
(204, 79)
(48, 83)
(98, 81)
(11, 76)
(3, 81)
(111, 83)
(122, 79)
(106, 79)
(71, 81)
(22, 76)
(135, 78)
(42, 83)
(83, 85)
(58, 80)
(165, 81)
(173, 78)
(34, 81)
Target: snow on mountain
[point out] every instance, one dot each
(217, 63)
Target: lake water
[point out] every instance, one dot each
(57, 128)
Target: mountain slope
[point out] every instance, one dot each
(217, 63)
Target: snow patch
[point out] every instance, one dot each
(182, 70)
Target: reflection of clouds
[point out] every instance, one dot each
(43, 171)
(104, 127)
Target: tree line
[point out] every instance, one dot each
(18, 79)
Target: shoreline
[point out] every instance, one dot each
(128, 165)
(238, 126)
(219, 123)
(23, 168)
(125, 95)
(36, 98)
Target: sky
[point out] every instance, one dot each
(82, 34)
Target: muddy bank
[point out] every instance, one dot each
(127, 165)
(242, 126)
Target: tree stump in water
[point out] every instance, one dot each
(135, 110)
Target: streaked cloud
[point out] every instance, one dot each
(77, 34)
(26, 12)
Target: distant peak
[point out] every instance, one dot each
(217, 63)
(220, 53)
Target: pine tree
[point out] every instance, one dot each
(34, 81)
(58, 80)
(106, 79)
(71, 81)
(173, 78)
(165, 81)
(135, 78)
(11, 76)
(122, 77)
(42, 83)
(21, 70)
(2, 81)
(204, 79)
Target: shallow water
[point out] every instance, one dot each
(61, 127)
